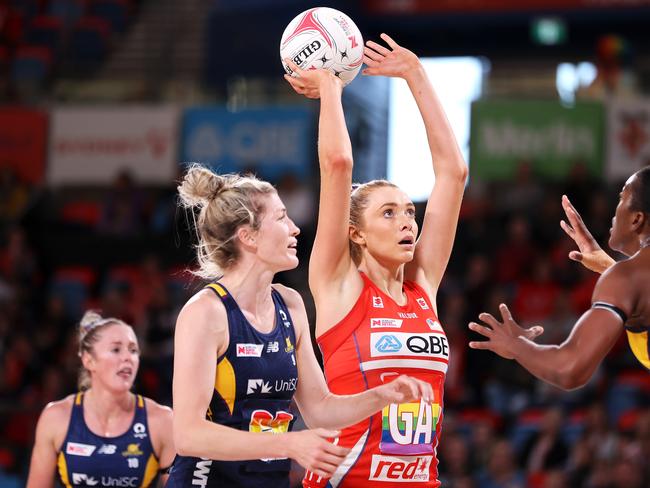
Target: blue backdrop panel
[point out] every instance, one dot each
(268, 141)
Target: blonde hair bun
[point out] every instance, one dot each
(225, 203)
(89, 321)
(200, 186)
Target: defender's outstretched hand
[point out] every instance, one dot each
(502, 336)
(590, 254)
(309, 82)
(381, 61)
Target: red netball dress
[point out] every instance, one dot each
(377, 341)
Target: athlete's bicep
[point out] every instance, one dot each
(160, 420)
(196, 342)
(312, 387)
(615, 288)
(311, 383)
(330, 257)
(599, 328)
(438, 232)
(591, 339)
(42, 467)
(330, 254)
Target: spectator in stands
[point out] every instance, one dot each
(454, 459)
(581, 185)
(535, 297)
(517, 253)
(546, 450)
(501, 470)
(14, 196)
(558, 324)
(17, 261)
(524, 194)
(123, 209)
(555, 479)
(630, 473)
(454, 309)
(615, 75)
(482, 438)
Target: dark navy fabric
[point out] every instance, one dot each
(87, 459)
(255, 381)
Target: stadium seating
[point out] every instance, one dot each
(68, 11)
(46, 31)
(89, 43)
(114, 12)
(72, 285)
(30, 71)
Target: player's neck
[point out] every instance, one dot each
(250, 286)
(644, 241)
(106, 404)
(388, 280)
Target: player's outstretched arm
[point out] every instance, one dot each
(333, 277)
(571, 364)
(590, 254)
(441, 217)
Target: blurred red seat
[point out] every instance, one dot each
(84, 213)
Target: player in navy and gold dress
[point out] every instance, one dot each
(104, 435)
(255, 381)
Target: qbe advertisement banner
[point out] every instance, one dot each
(268, 141)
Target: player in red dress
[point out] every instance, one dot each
(375, 288)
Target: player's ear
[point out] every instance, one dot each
(356, 236)
(246, 236)
(639, 221)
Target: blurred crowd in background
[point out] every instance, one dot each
(501, 427)
(124, 247)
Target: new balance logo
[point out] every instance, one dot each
(107, 449)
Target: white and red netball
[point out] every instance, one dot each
(323, 37)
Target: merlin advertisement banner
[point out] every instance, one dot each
(270, 142)
(545, 134)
